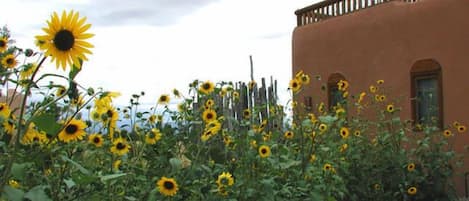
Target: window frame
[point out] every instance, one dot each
(332, 86)
(425, 70)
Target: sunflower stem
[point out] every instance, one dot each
(15, 139)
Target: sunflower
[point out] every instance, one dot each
(206, 135)
(4, 110)
(447, 133)
(461, 128)
(65, 39)
(382, 98)
(312, 158)
(327, 167)
(344, 132)
(152, 119)
(225, 179)
(164, 99)
(167, 186)
(322, 127)
(321, 107)
(357, 133)
(96, 139)
(456, 124)
(3, 44)
(28, 71)
(235, 95)
(120, 146)
(412, 190)
(343, 147)
(373, 89)
(34, 136)
(377, 186)
(176, 93)
(410, 167)
(251, 84)
(153, 137)
(288, 135)
(60, 91)
(73, 131)
(305, 79)
(222, 190)
(379, 81)
(209, 103)
(181, 107)
(116, 165)
(342, 85)
(209, 115)
(9, 126)
(295, 85)
(207, 87)
(361, 97)
(264, 151)
(247, 113)
(390, 108)
(9, 61)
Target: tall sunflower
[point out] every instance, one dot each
(73, 131)
(120, 146)
(209, 115)
(65, 39)
(153, 137)
(3, 44)
(167, 186)
(225, 179)
(207, 87)
(264, 151)
(164, 99)
(4, 110)
(96, 139)
(9, 61)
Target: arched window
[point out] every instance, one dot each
(334, 95)
(426, 93)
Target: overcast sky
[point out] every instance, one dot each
(157, 45)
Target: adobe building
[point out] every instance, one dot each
(420, 48)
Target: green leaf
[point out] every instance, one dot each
(46, 122)
(175, 163)
(75, 70)
(69, 182)
(112, 176)
(12, 194)
(37, 194)
(77, 165)
(19, 170)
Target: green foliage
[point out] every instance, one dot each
(72, 143)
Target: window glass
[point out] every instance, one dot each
(427, 108)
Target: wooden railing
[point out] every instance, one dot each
(332, 8)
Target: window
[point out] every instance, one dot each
(426, 93)
(334, 95)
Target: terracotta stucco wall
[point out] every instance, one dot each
(383, 42)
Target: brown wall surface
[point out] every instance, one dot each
(383, 42)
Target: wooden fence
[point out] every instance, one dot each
(332, 8)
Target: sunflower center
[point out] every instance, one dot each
(71, 129)
(263, 151)
(64, 40)
(2, 43)
(163, 99)
(35, 139)
(96, 140)
(120, 146)
(206, 86)
(109, 113)
(1, 107)
(10, 61)
(295, 85)
(168, 185)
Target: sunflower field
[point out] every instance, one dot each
(70, 142)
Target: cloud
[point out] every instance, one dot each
(141, 12)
